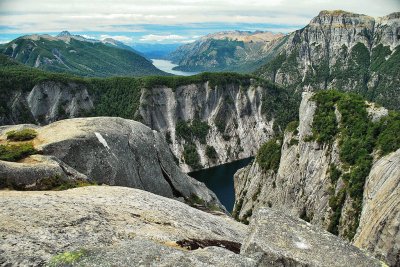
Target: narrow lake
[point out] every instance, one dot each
(167, 66)
(219, 179)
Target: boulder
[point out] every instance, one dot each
(105, 150)
(284, 240)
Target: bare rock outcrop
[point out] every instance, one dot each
(116, 226)
(105, 150)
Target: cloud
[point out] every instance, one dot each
(121, 38)
(161, 38)
(21, 16)
(4, 41)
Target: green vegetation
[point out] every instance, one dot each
(358, 138)
(67, 258)
(336, 203)
(22, 135)
(389, 137)
(16, 152)
(116, 96)
(80, 58)
(292, 127)
(211, 153)
(269, 154)
(335, 174)
(58, 184)
(191, 156)
(279, 104)
(196, 129)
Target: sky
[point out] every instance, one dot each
(169, 21)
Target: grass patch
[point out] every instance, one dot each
(11, 152)
(22, 135)
(67, 258)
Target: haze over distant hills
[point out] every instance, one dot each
(79, 55)
(241, 51)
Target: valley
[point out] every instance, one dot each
(239, 147)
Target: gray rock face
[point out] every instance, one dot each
(341, 50)
(238, 107)
(287, 241)
(380, 217)
(37, 225)
(48, 102)
(112, 151)
(302, 187)
(116, 226)
(49, 99)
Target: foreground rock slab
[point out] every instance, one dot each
(117, 226)
(284, 240)
(38, 225)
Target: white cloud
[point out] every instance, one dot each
(161, 38)
(127, 15)
(121, 38)
(4, 41)
(89, 36)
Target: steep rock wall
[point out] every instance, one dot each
(303, 187)
(237, 108)
(341, 50)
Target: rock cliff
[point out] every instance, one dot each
(232, 116)
(309, 184)
(207, 120)
(341, 50)
(108, 226)
(105, 150)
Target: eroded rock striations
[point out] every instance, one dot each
(207, 120)
(105, 150)
(305, 186)
(232, 118)
(108, 226)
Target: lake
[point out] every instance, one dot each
(167, 66)
(219, 179)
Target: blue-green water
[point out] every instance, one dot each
(219, 179)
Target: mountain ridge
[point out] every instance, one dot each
(79, 55)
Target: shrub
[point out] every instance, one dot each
(269, 155)
(22, 135)
(16, 152)
(334, 174)
(197, 129)
(211, 153)
(292, 127)
(191, 156)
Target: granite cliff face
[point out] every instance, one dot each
(205, 122)
(48, 102)
(104, 150)
(304, 186)
(233, 117)
(108, 226)
(341, 50)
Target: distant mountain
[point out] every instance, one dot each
(155, 51)
(78, 55)
(341, 50)
(240, 51)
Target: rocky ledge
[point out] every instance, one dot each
(116, 226)
(100, 150)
